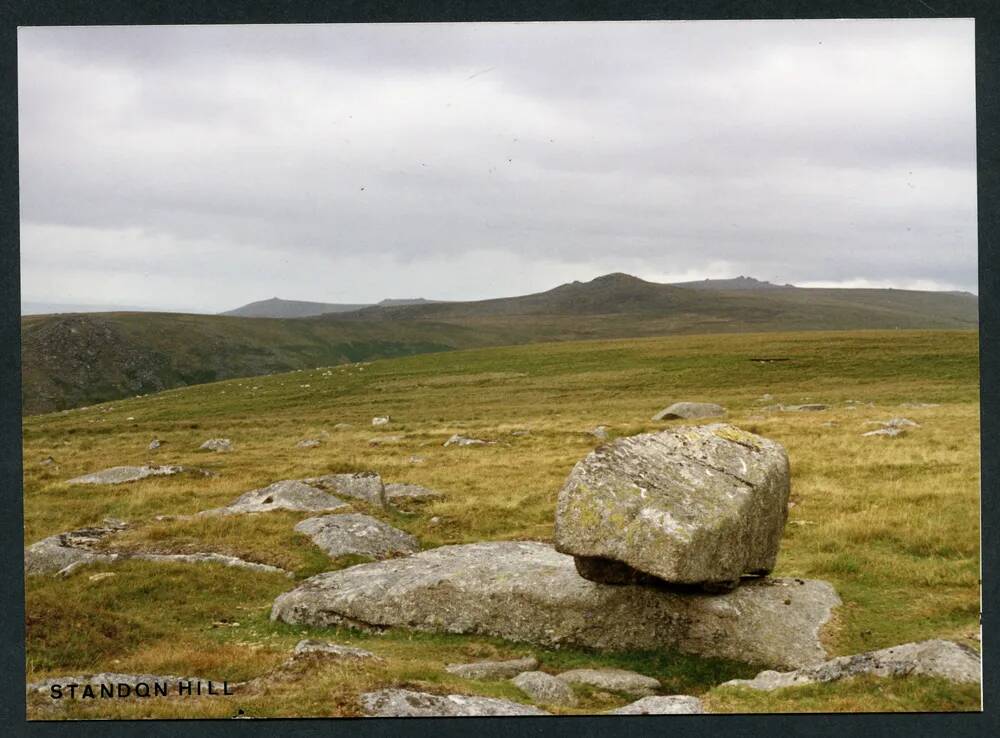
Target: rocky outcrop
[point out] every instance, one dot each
(326, 649)
(458, 440)
(545, 688)
(936, 658)
(808, 408)
(123, 474)
(407, 703)
(364, 486)
(528, 592)
(206, 558)
(613, 680)
(308, 443)
(698, 505)
(678, 704)
(493, 669)
(362, 535)
(690, 411)
(288, 494)
(73, 548)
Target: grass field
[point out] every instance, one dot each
(892, 523)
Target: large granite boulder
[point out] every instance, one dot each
(407, 703)
(690, 411)
(75, 547)
(365, 486)
(363, 535)
(936, 658)
(528, 592)
(288, 494)
(697, 505)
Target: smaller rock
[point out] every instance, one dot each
(899, 423)
(920, 404)
(332, 650)
(154, 444)
(677, 704)
(307, 443)
(219, 445)
(288, 494)
(381, 420)
(361, 535)
(890, 432)
(809, 408)
(407, 703)
(458, 440)
(690, 411)
(545, 688)
(493, 669)
(434, 521)
(47, 461)
(936, 658)
(102, 575)
(342, 426)
(600, 432)
(366, 486)
(613, 680)
(384, 440)
(417, 460)
(521, 432)
(767, 397)
(399, 492)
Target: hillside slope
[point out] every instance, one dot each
(72, 360)
(278, 308)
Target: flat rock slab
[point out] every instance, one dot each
(363, 535)
(326, 649)
(364, 486)
(289, 494)
(406, 703)
(676, 704)
(73, 548)
(808, 408)
(545, 688)
(937, 658)
(613, 680)
(398, 492)
(457, 440)
(206, 558)
(528, 592)
(690, 411)
(493, 669)
(219, 445)
(123, 474)
(695, 505)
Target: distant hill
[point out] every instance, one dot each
(71, 360)
(736, 283)
(278, 308)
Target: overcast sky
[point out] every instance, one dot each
(205, 167)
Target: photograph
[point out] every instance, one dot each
(500, 369)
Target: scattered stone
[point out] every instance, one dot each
(47, 461)
(357, 534)
(365, 486)
(219, 445)
(937, 658)
(406, 703)
(289, 494)
(493, 669)
(520, 432)
(545, 688)
(102, 575)
(528, 592)
(890, 432)
(398, 492)
(307, 443)
(829, 424)
(74, 548)
(342, 426)
(331, 650)
(457, 440)
(764, 398)
(895, 423)
(383, 420)
(613, 680)
(600, 432)
(434, 521)
(810, 408)
(123, 474)
(920, 404)
(677, 704)
(690, 411)
(697, 505)
(154, 444)
(417, 459)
